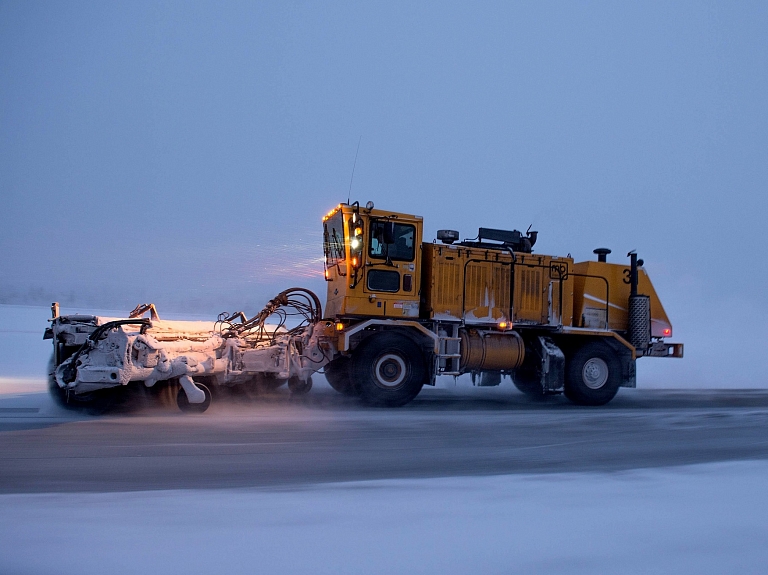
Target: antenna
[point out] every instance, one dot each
(349, 194)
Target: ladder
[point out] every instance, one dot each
(449, 346)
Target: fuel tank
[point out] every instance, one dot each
(490, 350)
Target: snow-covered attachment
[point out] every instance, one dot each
(93, 353)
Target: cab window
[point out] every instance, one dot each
(333, 239)
(403, 246)
(383, 280)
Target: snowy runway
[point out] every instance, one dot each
(695, 519)
(463, 480)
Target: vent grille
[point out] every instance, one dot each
(530, 290)
(478, 291)
(487, 288)
(448, 286)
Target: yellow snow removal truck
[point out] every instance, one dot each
(399, 312)
(407, 311)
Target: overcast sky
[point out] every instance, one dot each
(185, 152)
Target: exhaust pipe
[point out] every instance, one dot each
(639, 320)
(601, 254)
(632, 273)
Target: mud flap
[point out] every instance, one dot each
(552, 365)
(629, 372)
(628, 367)
(544, 364)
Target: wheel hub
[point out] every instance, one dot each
(595, 373)
(390, 371)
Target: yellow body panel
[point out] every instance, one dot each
(539, 298)
(473, 285)
(463, 283)
(591, 294)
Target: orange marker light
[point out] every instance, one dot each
(339, 326)
(503, 325)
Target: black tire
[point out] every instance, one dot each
(63, 399)
(163, 393)
(268, 382)
(299, 386)
(264, 383)
(389, 369)
(186, 407)
(93, 403)
(592, 375)
(528, 383)
(58, 394)
(339, 376)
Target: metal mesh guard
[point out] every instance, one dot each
(640, 321)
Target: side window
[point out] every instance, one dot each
(383, 280)
(403, 246)
(333, 240)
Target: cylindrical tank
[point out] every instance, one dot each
(492, 351)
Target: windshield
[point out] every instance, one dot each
(333, 239)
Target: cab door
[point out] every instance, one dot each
(391, 280)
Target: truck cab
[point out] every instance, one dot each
(372, 262)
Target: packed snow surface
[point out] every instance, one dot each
(698, 519)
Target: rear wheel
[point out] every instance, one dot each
(69, 400)
(266, 382)
(183, 401)
(389, 369)
(339, 376)
(299, 386)
(593, 375)
(529, 383)
(94, 403)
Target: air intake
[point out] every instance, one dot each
(639, 328)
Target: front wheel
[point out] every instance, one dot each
(593, 375)
(389, 369)
(339, 376)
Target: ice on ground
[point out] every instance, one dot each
(697, 519)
